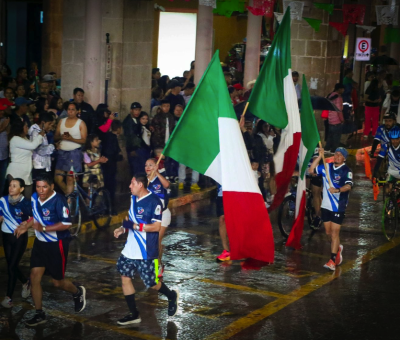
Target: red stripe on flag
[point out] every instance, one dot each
(282, 179)
(294, 238)
(62, 256)
(248, 226)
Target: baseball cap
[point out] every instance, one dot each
(136, 105)
(22, 101)
(343, 151)
(238, 87)
(48, 77)
(389, 115)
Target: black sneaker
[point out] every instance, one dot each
(129, 319)
(38, 319)
(80, 300)
(173, 304)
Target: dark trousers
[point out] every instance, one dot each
(14, 248)
(333, 142)
(171, 167)
(110, 179)
(3, 170)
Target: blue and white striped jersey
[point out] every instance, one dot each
(382, 134)
(143, 245)
(14, 214)
(53, 210)
(157, 188)
(394, 158)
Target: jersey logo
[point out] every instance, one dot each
(350, 175)
(158, 210)
(18, 212)
(65, 212)
(337, 177)
(46, 212)
(157, 186)
(140, 210)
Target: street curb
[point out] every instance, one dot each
(173, 204)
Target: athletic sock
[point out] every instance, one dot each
(130, 300)
(166, 291)
(333, 257)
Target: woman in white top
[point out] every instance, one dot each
(21, 149)
(72, 132)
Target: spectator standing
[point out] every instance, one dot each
(104, 119)
(56, 105)
(41, 157)
(112, 152)
(132, 130)
(372, 99)
(163, 123)
(20, 92)
(335, 119)
(72, 132)
(21, 111)
(93, 159)
(391, 104)
(9, 94)
(85, 110)
(22, 79)
(155, 73)
(21, 150)
(144, 150)
(173, 95)
(156, 97)
(163, 83)
(188, 92)
(239, 91)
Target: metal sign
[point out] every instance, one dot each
(108, 62)
(363, 49)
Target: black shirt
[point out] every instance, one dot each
(87, 115)
(372, 95)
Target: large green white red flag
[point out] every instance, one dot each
(274, 100)
(208, 139)
(309, 140)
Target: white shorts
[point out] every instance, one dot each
(166, 218)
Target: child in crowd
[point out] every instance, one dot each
(157, 154)
(254, 166)
(93, 159)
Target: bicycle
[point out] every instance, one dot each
(390, 211)
(98, 208)
(287, 211)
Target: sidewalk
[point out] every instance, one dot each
(181, 200)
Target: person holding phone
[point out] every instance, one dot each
(41, 157)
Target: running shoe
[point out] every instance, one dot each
(161, 270)
(195, 187)
(39, 318)
(181, 186)
(129, 319)
(225, 256)
(80, 300)
(330, 265)
(7, 302)
(26, 290)
(173, 304)
(339, 256)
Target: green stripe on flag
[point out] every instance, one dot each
(267, 100)
(309, 130)
(195, 140)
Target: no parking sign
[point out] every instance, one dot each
(363, 49)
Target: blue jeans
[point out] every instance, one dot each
(3, 170)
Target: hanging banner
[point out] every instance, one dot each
(392, 35)
(340, 27)
(278, 17)
(314, 23)
(325, 7)
(353, 14)
(262, 7)
(367, 29)
(211, 3)
(296, 9)
(363, 49)
(227, 7)
(387, 15)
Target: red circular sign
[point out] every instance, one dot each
(363, 46)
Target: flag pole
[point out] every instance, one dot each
(326, 169)
(245, 109)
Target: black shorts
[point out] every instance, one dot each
(332, 216)
(147, 269)
(316, 181)
(52, 256)
(220, 206)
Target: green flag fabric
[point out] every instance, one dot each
(267, 100)
(325, 7)
(392, 35)
(314, 23)
(309, 130)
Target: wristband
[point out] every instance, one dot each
(29, 219)
(142, 226)
(127, 224)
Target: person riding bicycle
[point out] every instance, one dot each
(382, 134)
(392, 150)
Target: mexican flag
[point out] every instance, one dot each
(208, 139)
(274, 100)
(309, 140)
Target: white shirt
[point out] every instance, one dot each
(42, 155)
(74, 132)
(21, 150)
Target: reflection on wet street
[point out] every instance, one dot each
(294, 298)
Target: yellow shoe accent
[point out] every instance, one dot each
(180, 186)
(195, 187)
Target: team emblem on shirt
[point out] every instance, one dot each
(157, 186)
(46, 212)
(140, 210)
(350, 175)
(337, 177)
(65, 212)
(18, 212)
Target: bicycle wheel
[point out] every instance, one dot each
(286, 214)
(390, 214)
(101, 208)
(75, 213)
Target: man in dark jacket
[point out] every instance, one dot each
(173, 95)
(163, 124)
(86, 112)
(132, 130)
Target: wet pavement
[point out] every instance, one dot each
(295, 298)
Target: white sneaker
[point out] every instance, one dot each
(26, 290)
(7, 302)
